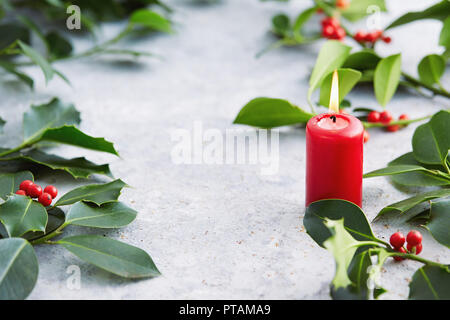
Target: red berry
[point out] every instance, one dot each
(366, 136)
(401, 250)
(24, 185)
(411, 248)
(34, 191)
(21, 192)
(327, 31)
(343, 4)
(385, 117)
(360, 36)
(45, 199)
(397, 240)
(373, 116)
(339, 33)
(386, 39)
(414, 238)
(403, 117)
(393, 128)
(371, 37)
(330, 21)
(51, 190)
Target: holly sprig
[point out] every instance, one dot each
(342, 228)
(16, 50)
(428, 165)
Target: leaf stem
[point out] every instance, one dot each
(45, 239)
(438, 91)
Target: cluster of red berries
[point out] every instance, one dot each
(413, 239)
(385, 117)
(29, 188)
(371, 37)
(331, 29)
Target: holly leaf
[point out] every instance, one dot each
(111, 255)
(11, 32)
(331, 56)
(151, 20)
(38, 59)
(444, 37)
(359, 9)
(281, 25)
(355, 221)
(403, 206)
(431, 68)
(302, 18)
(58, 46)
(430, 283)
(431, 141)
(387, 77)
(439, 221)
(95, 193)
(18, 269)
(348, 78)
(76, 167)
(438, 11)
(269, 113)
(10, 182)
(108, 215)
(48, 115)
(11, 68)
(365, 59)
(20, 214)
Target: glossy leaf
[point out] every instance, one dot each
(20, 214)
(77, 167)
(108, 215)
(431, 141)
(444, 37)
(281, 25)
(11, 68)
(348, 78)
(431, 68)
(355, 221)
(302, 18)
(150, 19)
(38, 59)
(359, 9)
(270, 112)
(95, 193)
(439, 221)
(73, 136)
(10, 32)
(403, 206)
(18, 269)
(58, 46)
(362, 60)
(331, 56)
(111, 255)
(9, 182)
(387, 77)
(430, 283)
(438, 11)
(48, 115)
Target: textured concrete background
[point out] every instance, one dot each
(216, 231)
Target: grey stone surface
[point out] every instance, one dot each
(216, 231)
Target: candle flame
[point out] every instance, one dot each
(334, 94)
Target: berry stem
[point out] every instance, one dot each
(399, 122)
(45, 239)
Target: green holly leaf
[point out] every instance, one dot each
(348, 78)
(111, 255)
(11, 32)
(11, 68)
(269, 113)
(331, 56)
(387, 77)
(444, 37)
(365, 59)
(20, 214)
(48, 115)
(431, 141)
(18, 269)
(58, 46)
(355, 221)
(38, 59)
(95, 193)
(76, 167)
(359, 9)
(151, 20)
(403, 206)
(439, 221)
(431, 68)
(10, 182)
(430, 283)
(281, 25)
(108, 215)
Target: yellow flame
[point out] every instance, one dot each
(334, 94)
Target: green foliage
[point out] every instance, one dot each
(431, 68)
(348, 78)
(430, 283)
(359, 9)
(387, 77)
(9, 182)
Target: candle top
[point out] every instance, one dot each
(346, 125)
(332, 123)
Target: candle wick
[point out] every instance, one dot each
(333, 117)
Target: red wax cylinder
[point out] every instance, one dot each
(334, 158)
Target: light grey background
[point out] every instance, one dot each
(218, 231)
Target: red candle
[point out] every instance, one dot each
(334, 157)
